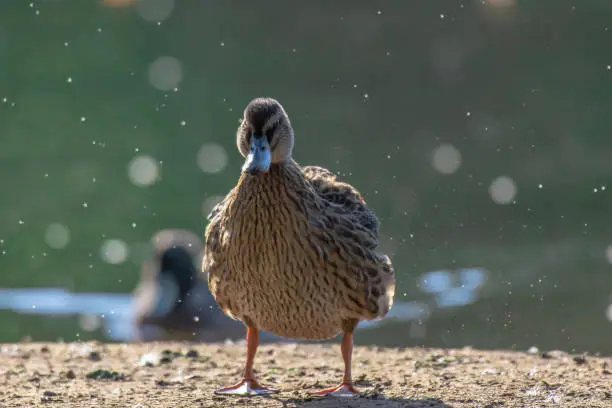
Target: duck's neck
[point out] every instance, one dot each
(266, 207)
(268, 186)
(265, 198)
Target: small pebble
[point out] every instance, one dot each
(94, 356)
(580, 360)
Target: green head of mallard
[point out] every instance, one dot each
(265, 135)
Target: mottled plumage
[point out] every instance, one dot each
(291, 249)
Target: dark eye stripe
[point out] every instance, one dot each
(270, 132)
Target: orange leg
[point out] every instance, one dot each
(248, 385)
(345, 389)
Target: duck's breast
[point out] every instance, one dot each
(278, 281)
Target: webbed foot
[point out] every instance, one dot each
(342, 390)
(246, 387)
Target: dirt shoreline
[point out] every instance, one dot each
(184, 375)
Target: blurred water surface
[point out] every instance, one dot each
(478, 130)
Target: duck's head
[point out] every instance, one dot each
(166, 281)
(265, 135)
(177, 266)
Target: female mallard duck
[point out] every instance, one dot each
(291, 250)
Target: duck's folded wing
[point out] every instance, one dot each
(316, 172)
(212, 236)
(219, 206)
(345, 198)
(367, 277)
(213, 261)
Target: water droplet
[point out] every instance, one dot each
(114, 251)
(502, 190)
(57, 236)
(446, 159)
(609, 253)
(143, 170)
(89, 322)
(154, 10)
(211, 158)
(165, 73)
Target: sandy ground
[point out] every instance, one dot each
(184, 375)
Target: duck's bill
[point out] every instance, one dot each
(259, 158)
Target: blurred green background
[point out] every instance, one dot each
(480, 132)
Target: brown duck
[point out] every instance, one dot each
(291, 250)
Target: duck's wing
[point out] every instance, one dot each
(213, 262)
(350, 238)
(212, 233)
(316, 172)
(346, 199)
(219, 206)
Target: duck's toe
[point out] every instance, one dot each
(342, 390)
(246, 387)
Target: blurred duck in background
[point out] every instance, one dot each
(172, 300)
